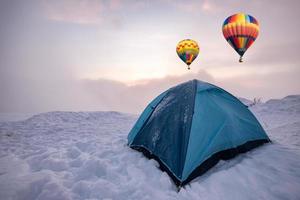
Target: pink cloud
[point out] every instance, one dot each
(115, 4)
(86, 11)
(207, 6)
(105, 94)
(74, 11)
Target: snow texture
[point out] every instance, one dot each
(83, 155)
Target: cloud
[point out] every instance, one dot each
(195, 6)
(88, 12)
(40, 61)
(189, 5)
(75, 11)
(207, 6)
(31, 95)
(104, 94)
(277, 54)
(133, 98)
(229, 7)
(114, 95)
(271, 85)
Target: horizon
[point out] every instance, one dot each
(95, 55)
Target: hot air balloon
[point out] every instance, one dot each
(240, 30)
(187, 51)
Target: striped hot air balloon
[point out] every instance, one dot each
(187, 51)
(240, 30)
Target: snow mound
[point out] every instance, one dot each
(245, 101)
(281, 119)
(6, 117)
(289, 104)
(83, 155)
(74, 117)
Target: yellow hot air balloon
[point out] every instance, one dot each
(187, 51)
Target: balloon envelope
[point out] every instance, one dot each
(240, 30)
(187, 50)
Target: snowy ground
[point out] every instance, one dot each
(83, 155)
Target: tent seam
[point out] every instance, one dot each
(194, 102)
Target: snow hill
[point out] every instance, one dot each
(83, 155)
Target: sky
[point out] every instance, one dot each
(94, 55)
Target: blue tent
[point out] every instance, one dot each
(191, 126)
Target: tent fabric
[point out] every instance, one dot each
(191, 126)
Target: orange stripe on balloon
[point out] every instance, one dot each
(239, 28)
(250, 33)
(230, 30)
(249, 30)
(243, 29)
(241, 42)
(234, 29)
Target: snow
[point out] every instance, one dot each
(5, 117)
(245, 101)
(83, 155)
